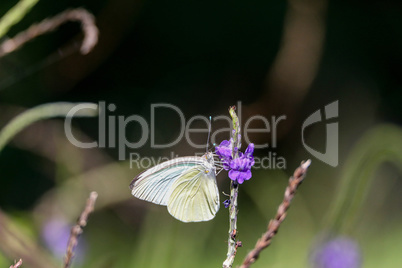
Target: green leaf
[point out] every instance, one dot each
(41, 112)
(15, 14)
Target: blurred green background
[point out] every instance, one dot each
(276, 57)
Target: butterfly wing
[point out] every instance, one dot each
(195, 195)
(154, 184)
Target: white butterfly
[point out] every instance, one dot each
(186, 185)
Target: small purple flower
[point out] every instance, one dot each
(239, 168)
(226, 203)
(55, 234)
(249, 151)
(342, 252)
(224, 151)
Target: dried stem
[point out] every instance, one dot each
(274, 224)
(87, 24)
(77, 230)
(17, 264)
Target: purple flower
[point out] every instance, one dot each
(224, 151)
(226, 203)
(240, 170)
(249, 151)
(341, 252)
(55, 234)
(241, 166)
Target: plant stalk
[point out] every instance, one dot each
(234, 192)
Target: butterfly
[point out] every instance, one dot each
(186, 185)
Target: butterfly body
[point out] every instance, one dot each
(186, 185)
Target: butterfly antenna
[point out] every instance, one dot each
(211, 147)
(209, 133)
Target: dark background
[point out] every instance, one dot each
(276, 57)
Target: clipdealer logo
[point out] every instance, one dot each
(112, 132)
(330, 156)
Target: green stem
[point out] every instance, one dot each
(15, 14)
(41, 112)
(379, 145)
(234, 192)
